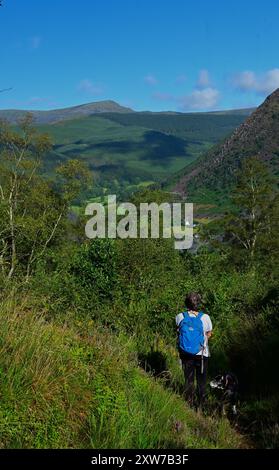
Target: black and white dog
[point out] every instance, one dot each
(226, 386)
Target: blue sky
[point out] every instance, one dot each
(156, 55)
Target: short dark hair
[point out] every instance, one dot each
(193, 301)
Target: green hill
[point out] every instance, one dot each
(211, 127)
(128, 150)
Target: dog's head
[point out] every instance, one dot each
(218, 382)
(226, 381)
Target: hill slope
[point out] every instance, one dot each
(215, 170)
(204, 127)
(66, 389)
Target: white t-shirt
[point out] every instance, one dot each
(207, 326)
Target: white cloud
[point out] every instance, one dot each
(203, 80)
(269, 82)
(200, 99)
(150, 80)
(245, 81)
(263, 84)
(90, 88)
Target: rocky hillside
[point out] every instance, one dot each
(258, 135)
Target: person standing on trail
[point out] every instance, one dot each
(194, 328)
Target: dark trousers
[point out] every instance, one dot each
(192, 369)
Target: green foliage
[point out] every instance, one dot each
(94, 267)
(32, 212)
(73, 176)
(248, 232)
(255, 225)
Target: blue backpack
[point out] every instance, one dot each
(191, 334)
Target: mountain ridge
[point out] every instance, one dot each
(53, 116)
(60, 114)
(258, 136)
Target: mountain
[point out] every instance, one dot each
(113, 110)
(56, 115)
(215, 170)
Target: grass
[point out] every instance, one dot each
(81, 387)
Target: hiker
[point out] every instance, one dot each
(194, 329)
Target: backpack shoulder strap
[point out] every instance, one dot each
(200, 314)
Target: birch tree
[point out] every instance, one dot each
(32, 209)
(251, 229)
